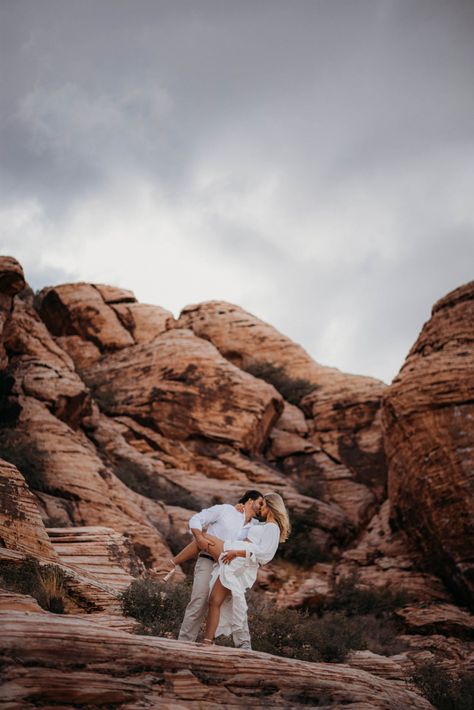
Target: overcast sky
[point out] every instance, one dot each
(309, 160)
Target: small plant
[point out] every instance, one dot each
(297, 634)
(350, 596)
(301, 547)
(158, 606)
(46, 583)
(445, 690)
(292, 389)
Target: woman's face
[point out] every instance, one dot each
(264, 510)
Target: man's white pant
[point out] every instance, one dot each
(197, 607)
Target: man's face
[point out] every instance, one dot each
(257, 506)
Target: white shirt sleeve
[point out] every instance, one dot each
(263, 549)
(205, 517)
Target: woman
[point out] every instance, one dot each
(238, 564)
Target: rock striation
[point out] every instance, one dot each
(118, 421)
(428, 414)
(60, 661)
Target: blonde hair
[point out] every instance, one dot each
(277, 507)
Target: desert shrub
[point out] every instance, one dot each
(445, 690)
(301, 547)
(139, 480)
(297, 634)
(350, 596)
(46, 583)
(159, 606)
(308, 637)
(292, 389)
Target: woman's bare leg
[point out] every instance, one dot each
(216, 598)
(214, 546)
(187, 553)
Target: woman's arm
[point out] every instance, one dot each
(263, 549)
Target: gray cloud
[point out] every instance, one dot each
(312, 160)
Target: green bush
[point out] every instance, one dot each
(350, 596)
(46, 583)
(159, 606)
(292, 389)
(292, 633)
(297, 634)
(445, 690)
(301, 547)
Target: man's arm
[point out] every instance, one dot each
(201, 520)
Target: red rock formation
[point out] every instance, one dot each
(63, 661)
(184, 388)
(21, 527)
(343, 417)
(428, 416)
(123, 421)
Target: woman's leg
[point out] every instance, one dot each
(214, 546)
(187, 553)
(216, 598)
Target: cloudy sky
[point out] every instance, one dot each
(309, 160)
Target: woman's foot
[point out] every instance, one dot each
(167, 572)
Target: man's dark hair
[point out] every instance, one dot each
(250, 495)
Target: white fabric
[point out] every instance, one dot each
(240, 574)
(223, 521)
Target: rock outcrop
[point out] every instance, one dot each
(183, 388)
(337, 450)
(60, 661)
(118, 421)
(21, 527)
(429, 414)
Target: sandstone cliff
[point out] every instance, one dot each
(118, 420)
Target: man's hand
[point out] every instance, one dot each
(203, 544)
(229, 556)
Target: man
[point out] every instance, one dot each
(229, 523)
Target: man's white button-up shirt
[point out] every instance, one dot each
(223, 521)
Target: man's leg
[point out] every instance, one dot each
(197, 607)
(241, 637)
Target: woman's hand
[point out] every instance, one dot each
(228, 556)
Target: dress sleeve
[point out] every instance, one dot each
(205, 517)
(263, 548)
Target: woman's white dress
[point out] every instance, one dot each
(240, 574)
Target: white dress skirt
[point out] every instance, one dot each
(240, 574)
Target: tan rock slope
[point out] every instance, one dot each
(60, 661)
(117, 421)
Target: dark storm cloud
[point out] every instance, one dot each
(322, 150)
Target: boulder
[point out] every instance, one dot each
(80, 309)
(184, 388)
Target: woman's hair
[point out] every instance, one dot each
(276, 505)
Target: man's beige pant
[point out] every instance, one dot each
(197, 608)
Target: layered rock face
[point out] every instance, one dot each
(118, 421)
(429, 418)
(331, 444)
(61, 662)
